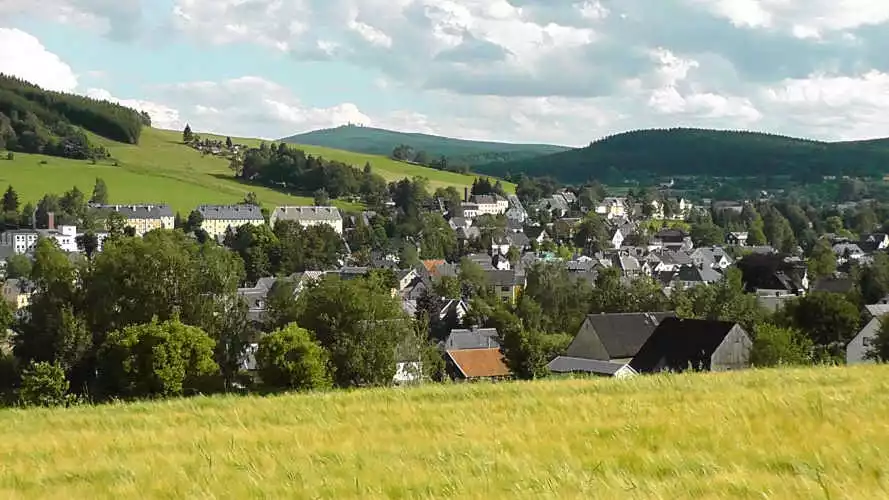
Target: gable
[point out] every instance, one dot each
(680, 344)
(614, 336)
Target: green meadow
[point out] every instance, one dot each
(162, 170)
(819, 433)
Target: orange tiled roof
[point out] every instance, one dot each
(479, 363)
(431, 265)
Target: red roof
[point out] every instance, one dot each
(479, 363)
(432, 265)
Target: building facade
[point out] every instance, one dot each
(309, 216)
(217, 219)
(144, 217)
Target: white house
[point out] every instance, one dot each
(612, 208)
(309, 216)
(489, 204)
(856, 350)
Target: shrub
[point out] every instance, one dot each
(43, 384)
(290, 358)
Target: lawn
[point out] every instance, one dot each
(808, 433)
(162, 170)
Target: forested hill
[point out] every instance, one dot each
(677, 152)
(33, 120)
(377, 141)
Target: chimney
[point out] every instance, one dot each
(465, 194)
(51, 220)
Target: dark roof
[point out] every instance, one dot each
(567, 364)
(231, 212)
(834, 285)
(479, 363)
(483, 338)
(681, 343)
(614, 336)
(139, 211)
(504, 278)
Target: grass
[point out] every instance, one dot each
(387, 168)
(810, 433)
(162, 170)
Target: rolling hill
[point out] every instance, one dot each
(381, 142)
(161, 169)
(790, 433)
(695, 152)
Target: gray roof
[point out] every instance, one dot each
(877, 310)
(505, 278)
(231, 212)
(140, 211)
(307, 213)
(567, 364)
(482, 338)
(484, 199)
(614, 336)
(699, 274)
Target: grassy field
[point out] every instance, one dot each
(817, 433)
(387, 168)
(162, 170)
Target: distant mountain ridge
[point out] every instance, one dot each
(688, 151)
(378, 141)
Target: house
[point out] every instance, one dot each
(455, 308)
(876, 241)
(713, 257)
(309, 216)
(516, 211)
(697, 274)
(476, 364)
(490, 204)
(476, 338)
(834, 284)
(143, 217)
(18, 293)
(846, 252)
(769, 274)
(858, 347)
(668, 261)
(567, 364)
(256, 298)
(217, 219)
(614, 337)
(737, 239)
(508, 285)
(470, 210)
(612, 208)
(692, 344)
(460, 222)
(408, 362)
(674, 239)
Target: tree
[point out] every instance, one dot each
(187, 134)
(822, 261)
(43, 384)
(100, 192)
(88, 242)
(723, 301)
(592, 234)
(707, 234)
(251, 199)
(776, 346)
(291, 359)
(18, 266)
(321, 198)
(156, 359)
(228, 143)
(438, 240)
(409, 256)
(422, 157)
(194, 221)
(282, 307)
(360, 324)
(28, 214)
(829, 320)
(10, 200)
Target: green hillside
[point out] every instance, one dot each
(679, 152)
(807, 433)
(161, 169)
(381, 142)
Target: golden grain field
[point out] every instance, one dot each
(813, 434)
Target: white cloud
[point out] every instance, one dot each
(22, 55)
(161, 116)
(115, 18)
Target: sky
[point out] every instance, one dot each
(544, 71)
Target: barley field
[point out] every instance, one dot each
(816, 433)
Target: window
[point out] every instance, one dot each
(505, 289)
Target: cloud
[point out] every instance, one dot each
(22, 55)
(117, 19)
(162, 116)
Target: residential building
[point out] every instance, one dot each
(678, 345)
(713, 257)
(568, 364)
(612, 208)
(508, 285)
(858, 347)
(307, 216)
(490, 204)
(23, 241)
(144, 217)
(476, 338)
(615, 337)
(738, 239)
(476, 364)
(556, 204)
(18, 293)
(516, 211)
(219, 218)
(470, 210)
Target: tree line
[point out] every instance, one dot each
(33, 120)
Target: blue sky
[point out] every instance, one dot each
(557, 71)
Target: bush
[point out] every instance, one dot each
(10, 156)
(157, 359)
(43, 384)
(290, 358)
(776, 346)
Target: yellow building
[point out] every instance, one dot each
(144, 217)
(217, 219)
(507, 285)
